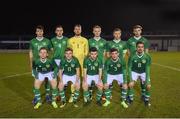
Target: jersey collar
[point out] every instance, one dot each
(39, 38)
(115, 60)
(140, 55)
(97, 38)
(69, 60)
(43, 61)
(59, 38)
(117, 40)
(137, 38)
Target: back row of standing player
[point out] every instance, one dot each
(81, 46)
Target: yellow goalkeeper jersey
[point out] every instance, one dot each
(80, 48)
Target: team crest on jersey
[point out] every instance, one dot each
(36, 44)
(96, 64)
(101, 44)
(47, 65)
(111, 65)
(64, 42)
(93, 43)
(120, 46)
(118, 65)
(144, 61)
(135, 60)
(72, 65)
(89, 64)
(133, 43)
(44, 43)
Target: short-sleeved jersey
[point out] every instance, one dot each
(115, 67)
(140, 64)
(131, 44)
(92, 66)
(69, 66)
(119, 45)
(79, 46)
(36, 45)
(100, 45)
(44, 67)
(59, 46)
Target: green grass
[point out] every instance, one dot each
(16, 92)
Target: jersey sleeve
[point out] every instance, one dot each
(34, 71)
(146, 44)
(100, 64)
(108, 46)
(148, 70)
(86, 47)
(62, 64)
(49, 44)
(130, 68)
(124, 71)
(105, 71)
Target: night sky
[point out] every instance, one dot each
(19, 18)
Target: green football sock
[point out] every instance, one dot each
(99, 95)
(147, 95)
(131, 93)
(76, 95)
(107, 94)
(123, 94)
(54, 94)
(47, 87)
(37, 94)
(62, 95)
(143, 89)
(86, 95)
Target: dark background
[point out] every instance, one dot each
(20, 17)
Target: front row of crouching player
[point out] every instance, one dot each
(94, 71)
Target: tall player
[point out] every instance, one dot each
(80, 48)
(35, 44)
(100, 44)
(139, 68)
(131, 43)
(59, 43)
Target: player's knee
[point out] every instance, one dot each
(85, 86)
(106, 86)
(124, 86)
(53, 83)
(61, 86)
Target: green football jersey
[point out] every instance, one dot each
(119, 45)
(92, 66)
(131, 44)
(44, 67)
(100, 45)
(36, 45)
(115, 67)
(69, 66)
(140, 64)
(59, 46)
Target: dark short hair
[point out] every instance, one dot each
(58, 26)
(139, 42)
(93, 49)
(40, 27)
(137, 26)
(69, 49)
(77, 25)
(113, 50)
(116, 29)
(43, 48)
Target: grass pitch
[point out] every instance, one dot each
(16, 92)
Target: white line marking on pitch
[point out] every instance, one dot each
(10, 76)
(165, 66)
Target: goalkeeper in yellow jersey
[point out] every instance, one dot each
(80, 49)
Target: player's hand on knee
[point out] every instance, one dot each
(148, 86)
(131, 84)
